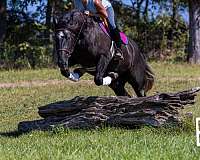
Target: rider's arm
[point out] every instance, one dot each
(100, 9)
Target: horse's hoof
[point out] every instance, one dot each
(98, 81)
(65, 73)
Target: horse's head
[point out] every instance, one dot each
(67, 30)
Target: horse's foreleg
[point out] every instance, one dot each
(100, 71)
(138, 90)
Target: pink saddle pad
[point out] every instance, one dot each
(123, 36)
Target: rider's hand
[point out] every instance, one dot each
(105, 22)
(100, 8)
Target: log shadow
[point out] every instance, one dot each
(12, 134)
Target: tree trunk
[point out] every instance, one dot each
(2, 20)
(55, 13)
(57, 7)
(174, 24)
(194, 32)
(138, 11)
(48, 20)
(94, 112)
(146, 12)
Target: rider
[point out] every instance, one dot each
(105, 10)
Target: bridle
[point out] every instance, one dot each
(66, 50)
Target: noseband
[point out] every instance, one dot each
(66, 50)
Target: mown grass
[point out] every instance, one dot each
(108, 143)
(29, 75)
(21, 104)
(163, 71)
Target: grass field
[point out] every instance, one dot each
(20, 103)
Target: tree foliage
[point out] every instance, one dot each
(159, 27)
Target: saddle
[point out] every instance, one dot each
(105, 29)
(123, 36)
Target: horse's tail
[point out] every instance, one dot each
(149, 78)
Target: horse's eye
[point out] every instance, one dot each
(61, 34)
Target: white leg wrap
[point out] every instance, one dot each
(107, 81)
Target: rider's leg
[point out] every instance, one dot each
(115, 33)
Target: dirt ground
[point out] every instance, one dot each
(39, 83)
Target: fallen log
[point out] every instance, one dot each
(93, 112)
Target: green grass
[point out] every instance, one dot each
(20, 104)
(167, 70)
(31, 75)
(27, 75)
(163, 71)
(108, 143)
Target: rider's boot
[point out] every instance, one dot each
(118, 42)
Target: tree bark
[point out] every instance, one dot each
(138, 11)
(94, 112)
(3, 24)
(194, 32)
(56, 11)
(146, 12)
(174, 24)
(48, 20)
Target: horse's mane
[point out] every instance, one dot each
(65, 18)
(70, 14)
(68, 17)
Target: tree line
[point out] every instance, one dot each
(163, 29)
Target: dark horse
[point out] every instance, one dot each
(80, 40)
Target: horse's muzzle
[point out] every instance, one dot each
(65, 72)
(62, 65)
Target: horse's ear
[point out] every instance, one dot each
(55, 20)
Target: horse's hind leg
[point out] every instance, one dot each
(118, 87)
(137, 88)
